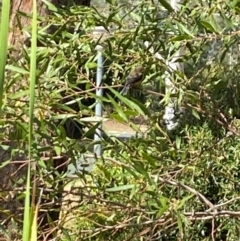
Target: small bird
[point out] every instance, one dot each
(135, 78)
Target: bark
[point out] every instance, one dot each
(12, 173)
(19, 22)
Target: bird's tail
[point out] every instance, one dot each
(125, 90)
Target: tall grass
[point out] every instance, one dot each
(30, 211)
(4, 29)
(30, 221)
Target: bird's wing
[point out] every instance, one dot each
(131, 80)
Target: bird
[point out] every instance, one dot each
(134, 79)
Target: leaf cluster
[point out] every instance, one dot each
(161, 185)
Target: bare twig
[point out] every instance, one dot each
(190, 189)
(223, 204)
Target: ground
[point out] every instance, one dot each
(113, 127)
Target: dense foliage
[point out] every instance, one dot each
(162, 185)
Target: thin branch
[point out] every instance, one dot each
(190, 189)
(223, 204)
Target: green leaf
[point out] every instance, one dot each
(208, 26)
(178, 142)
(167, 5)
(149, 159)
(5, 163)
(164, 201)
(66, 234)
(50, 6)
(91, 131)
(194, 112)
(224, 54)
(129, 103)
(180, 96)
(185, 30)
(180, 38)
(91, 65)
(183, 201)
(120, 188)
(233, 3)
(237, 9)
(180, 225)
(142, 107)
(139, 167)
(18, 95)
(17, 69)
(118, 109)
(63, 116)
